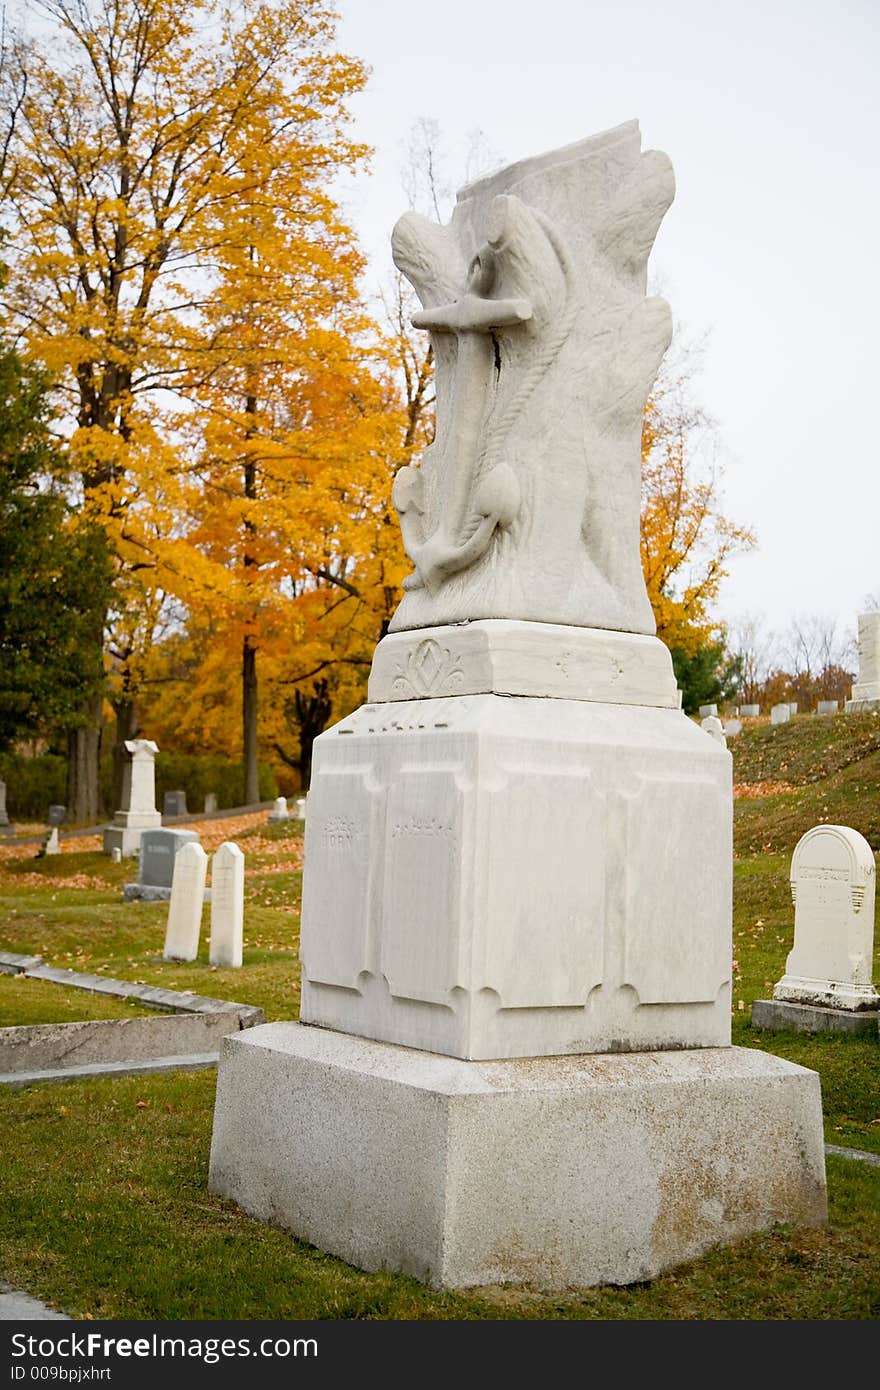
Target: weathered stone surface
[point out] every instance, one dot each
(832, 886)
(159, 850)
(189, 1061)
(137, 812)
(14, 964)
(492, 877)
(732, 727)
(556, 1172)
(526, 506)
(513, 658)
(185, 905)
(866, 691)
(279, 810)
(750, 711)
(827, 707)
(175, 1001)
(780, 714)
(52, 1046)
(6, 828)
(227, 906)
(779, 1015)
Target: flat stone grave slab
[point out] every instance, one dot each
(188, 1032)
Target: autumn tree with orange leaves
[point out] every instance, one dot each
(686, 540)
(156, 151)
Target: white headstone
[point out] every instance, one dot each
(866, 691)
(827, 707)
(732, 727)
(832, 886)
(750, 711)
(706, 711)
(137, 812)
(185, 905)
(301, 808)
(50, 844)
(713, 726)
(780, 714)
(116, 854)
(227, 905)
(279, 810)
(793, 707)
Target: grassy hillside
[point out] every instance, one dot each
(790, 777)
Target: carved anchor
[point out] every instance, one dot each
(474, 506)
(469, 488)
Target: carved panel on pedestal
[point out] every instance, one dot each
(338, 907)
(426, 863)
(547, 910)
(676, 946)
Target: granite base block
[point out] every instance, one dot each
(551, 1171)
(779, 1014)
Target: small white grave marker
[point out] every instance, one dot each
(714, 728)
(185, 906)
(227, 905)
(832, 886)
(279, 810)
(780, 714)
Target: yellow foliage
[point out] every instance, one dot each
(685, 540)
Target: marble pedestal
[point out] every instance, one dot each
(127, 830)
(557, 1172)
(494, 877)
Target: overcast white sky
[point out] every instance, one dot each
(769, 111)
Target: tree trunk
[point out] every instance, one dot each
(83, 768)
(248, 650)
(249, 722)
(127, 724)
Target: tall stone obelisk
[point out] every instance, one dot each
(514, 1058)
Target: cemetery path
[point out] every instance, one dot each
(20, 1307)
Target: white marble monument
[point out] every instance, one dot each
(832, 887)
(279, 810)
(185, 904)
(227, 906)
(866, 691)
(138, 811)
(502, 895)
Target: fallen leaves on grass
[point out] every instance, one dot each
(752, 790)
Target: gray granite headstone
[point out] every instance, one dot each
(174, 804)
(57, 814)
(750, 711)
(210, 803)
(159, 849)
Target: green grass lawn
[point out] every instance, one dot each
(106, 1213)
(99, 1169)
(24, 1001)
